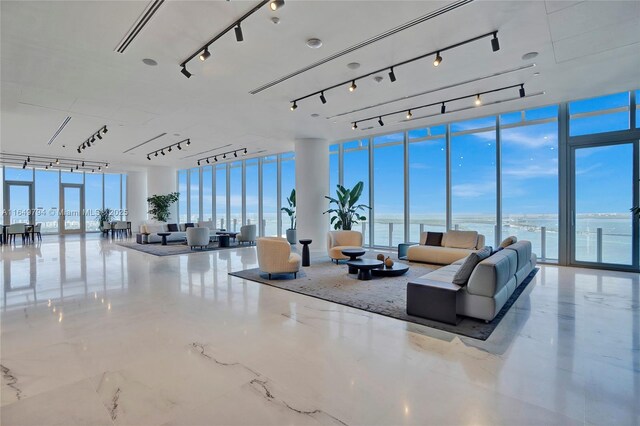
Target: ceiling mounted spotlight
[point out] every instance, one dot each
(179, 147)
(208, 160)
(93, 139)
(322, 98)
(24, 165)
(224, 156)
(294, 105)
(443, 108)
(185, 72)
(76, 167)
(198, 162)
(57, 161)
(188, 142)
(107, 165)
(99, 168)
(79, 150)
(205, 54)
(28, 159)
(93, 170)
(215, 158)
(392, 75)
(354, 126)
(409, 115)
(522, 92)
(353, 86)
(495, 44)
(478, 100)
(104, 129)
(437, 60)
(46, 167)
(245, 151)
(239, 36)
(169, 149)
(156, 153)
(149, 157)
(235, 154)
(276, 4)
(380, 122)
(162, 152)
(71, 170)
(88, 144)
(98, 135)
(82, 163)
(84, 146)
(50, 164)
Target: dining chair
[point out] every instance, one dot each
(36, 232)
(16, 229)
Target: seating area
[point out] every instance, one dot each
(23, 232)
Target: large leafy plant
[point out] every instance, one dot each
(291, 210)
(343, 209)
(160, 204)
(103, 215)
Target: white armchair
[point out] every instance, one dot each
(247, 234)
(197, 237)
(341, 240)
(275, 257)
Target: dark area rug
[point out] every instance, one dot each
(385, 296)
(172, 249)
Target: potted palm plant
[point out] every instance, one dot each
(291, 211)
(346, 212)
(102, 216)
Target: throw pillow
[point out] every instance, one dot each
(188, 225)
(461, 277)
(508, 241)
(434, 239)
(172, 227)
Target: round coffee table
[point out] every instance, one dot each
(306, 261)
(164, 236)
(364, 267)
(395, 271)
(353, 254)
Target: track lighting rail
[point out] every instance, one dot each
(392, 76)
(169, 148)
(92, 139)
(223, 155)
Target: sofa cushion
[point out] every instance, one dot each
(508, 241)
(434, 239)
(154, 228)
(189, 225)
(435, 255)
(461, 239)
(172, 227)
(464, 272)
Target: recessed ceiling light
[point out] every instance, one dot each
(529, 55)
(353, 65)
(314, 115)
(378, 78)
(275, 20)
(314, 43)
(150, 62)
(535, 74)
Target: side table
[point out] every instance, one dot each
(305, 252)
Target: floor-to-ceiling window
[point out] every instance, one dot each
(529, 176)
(270, 195)
(235, 195)
(183, 198)
(92, 200)
(287, 183)
(207, 193)
(473, 176)
(112, 196)
(47, 187)
(356, 169)
(334, 167)
(252, 191)
(221, 196)
(388, 189)
(427, 181)
(194, 195)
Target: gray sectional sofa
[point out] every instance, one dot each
(490, 285)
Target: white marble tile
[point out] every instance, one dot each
(147, 340)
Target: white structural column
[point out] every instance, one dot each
(136, 198)
(312, 184)
(162, 181)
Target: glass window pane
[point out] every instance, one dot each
(182, 200)
(511, 118)
(221, 196)
(124, 197)
(388, 189)
(92, 200)
(112, 193)
(47, 200)
(334, 173)
(71, 177)
(288, 182)
(194, 195)
(602, 215)
(25, 175)
(251, 185)
(235, 195)
(637, 109)
(356, 169)
(478, 123)
(427, 185)
(270, 196)
(606, 121)
(530, 186)
(541, 113)
(473, 180)
(207, 193)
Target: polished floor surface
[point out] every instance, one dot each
(93, 333)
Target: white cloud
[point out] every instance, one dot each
(531, 171)
(473, 190)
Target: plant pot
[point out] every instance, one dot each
(291, 236)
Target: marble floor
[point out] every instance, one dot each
(93, 333)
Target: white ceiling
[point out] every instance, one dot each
(57, 59)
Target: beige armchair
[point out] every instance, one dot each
(341, 240)
(275, 257)
(247, 234)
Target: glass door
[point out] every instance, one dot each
(604, 230)
(20, 202)
(72, 217)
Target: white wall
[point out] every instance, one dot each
(162, 181)
(136, 198)
(312, 184)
